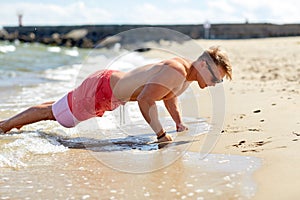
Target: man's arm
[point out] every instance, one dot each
(157, 88)
(146, 101)
(173, 109)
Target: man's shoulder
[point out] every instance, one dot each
(180, 64)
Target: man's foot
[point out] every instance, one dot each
(3, 128)
(166, 138)
(164, 141)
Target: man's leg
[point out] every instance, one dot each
(31, 115)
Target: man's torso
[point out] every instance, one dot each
(127, 86)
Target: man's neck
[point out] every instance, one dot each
(192, 73)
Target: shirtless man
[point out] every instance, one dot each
(107, 89)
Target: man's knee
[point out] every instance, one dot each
(50, 113)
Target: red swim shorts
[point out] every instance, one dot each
(91, 99)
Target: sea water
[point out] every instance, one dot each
(33, 73)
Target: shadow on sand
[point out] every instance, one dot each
(119, 144)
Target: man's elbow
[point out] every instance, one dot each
(145, 100)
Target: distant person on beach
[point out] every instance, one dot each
(105, 90)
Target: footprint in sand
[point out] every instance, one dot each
(250, 147)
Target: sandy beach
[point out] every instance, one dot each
(261, 130)
(262, 111)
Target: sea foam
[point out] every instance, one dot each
(18, 148)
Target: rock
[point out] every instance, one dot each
(32, 36)
(76, 34)
(68, 43)
(12, 36)
(109, 41)
(47, 40)
(55, 36)
(56, 39)
(3, 33)
(86, 43)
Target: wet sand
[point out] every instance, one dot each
(109, 164)
(76, 174)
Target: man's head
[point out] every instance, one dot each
(213, 65)
(220, 59)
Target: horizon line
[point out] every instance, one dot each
(140, 24)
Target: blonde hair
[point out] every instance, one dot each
(220, 58)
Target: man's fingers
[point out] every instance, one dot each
(181, 128)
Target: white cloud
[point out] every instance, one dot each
(274, 11)
(219, 11)
(51, 14)
(153, 12)
(220, 5)
(179, 1)
(149, 13)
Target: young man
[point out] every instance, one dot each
(107, 89)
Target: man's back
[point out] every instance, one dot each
(170, 73)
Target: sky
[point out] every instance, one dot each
(80, 12)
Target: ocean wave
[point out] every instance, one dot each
(72, 52)
(54, 49)
(7, 48)
(18, 148)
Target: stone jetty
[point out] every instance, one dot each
(89, 36)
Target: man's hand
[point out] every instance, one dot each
(181, 127)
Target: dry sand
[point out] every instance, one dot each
(262, 111)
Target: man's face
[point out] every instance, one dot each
(210, 73)
(215, 77)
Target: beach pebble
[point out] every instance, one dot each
(199, 190)
(173, 190)
(227, 178)
(210, 190)
(183, 197)
(85, 196)
(190, 194)
(189, 185)
(147, 194)
(256, 111)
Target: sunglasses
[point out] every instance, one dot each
(214, 78)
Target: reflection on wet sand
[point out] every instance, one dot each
(78, 175)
